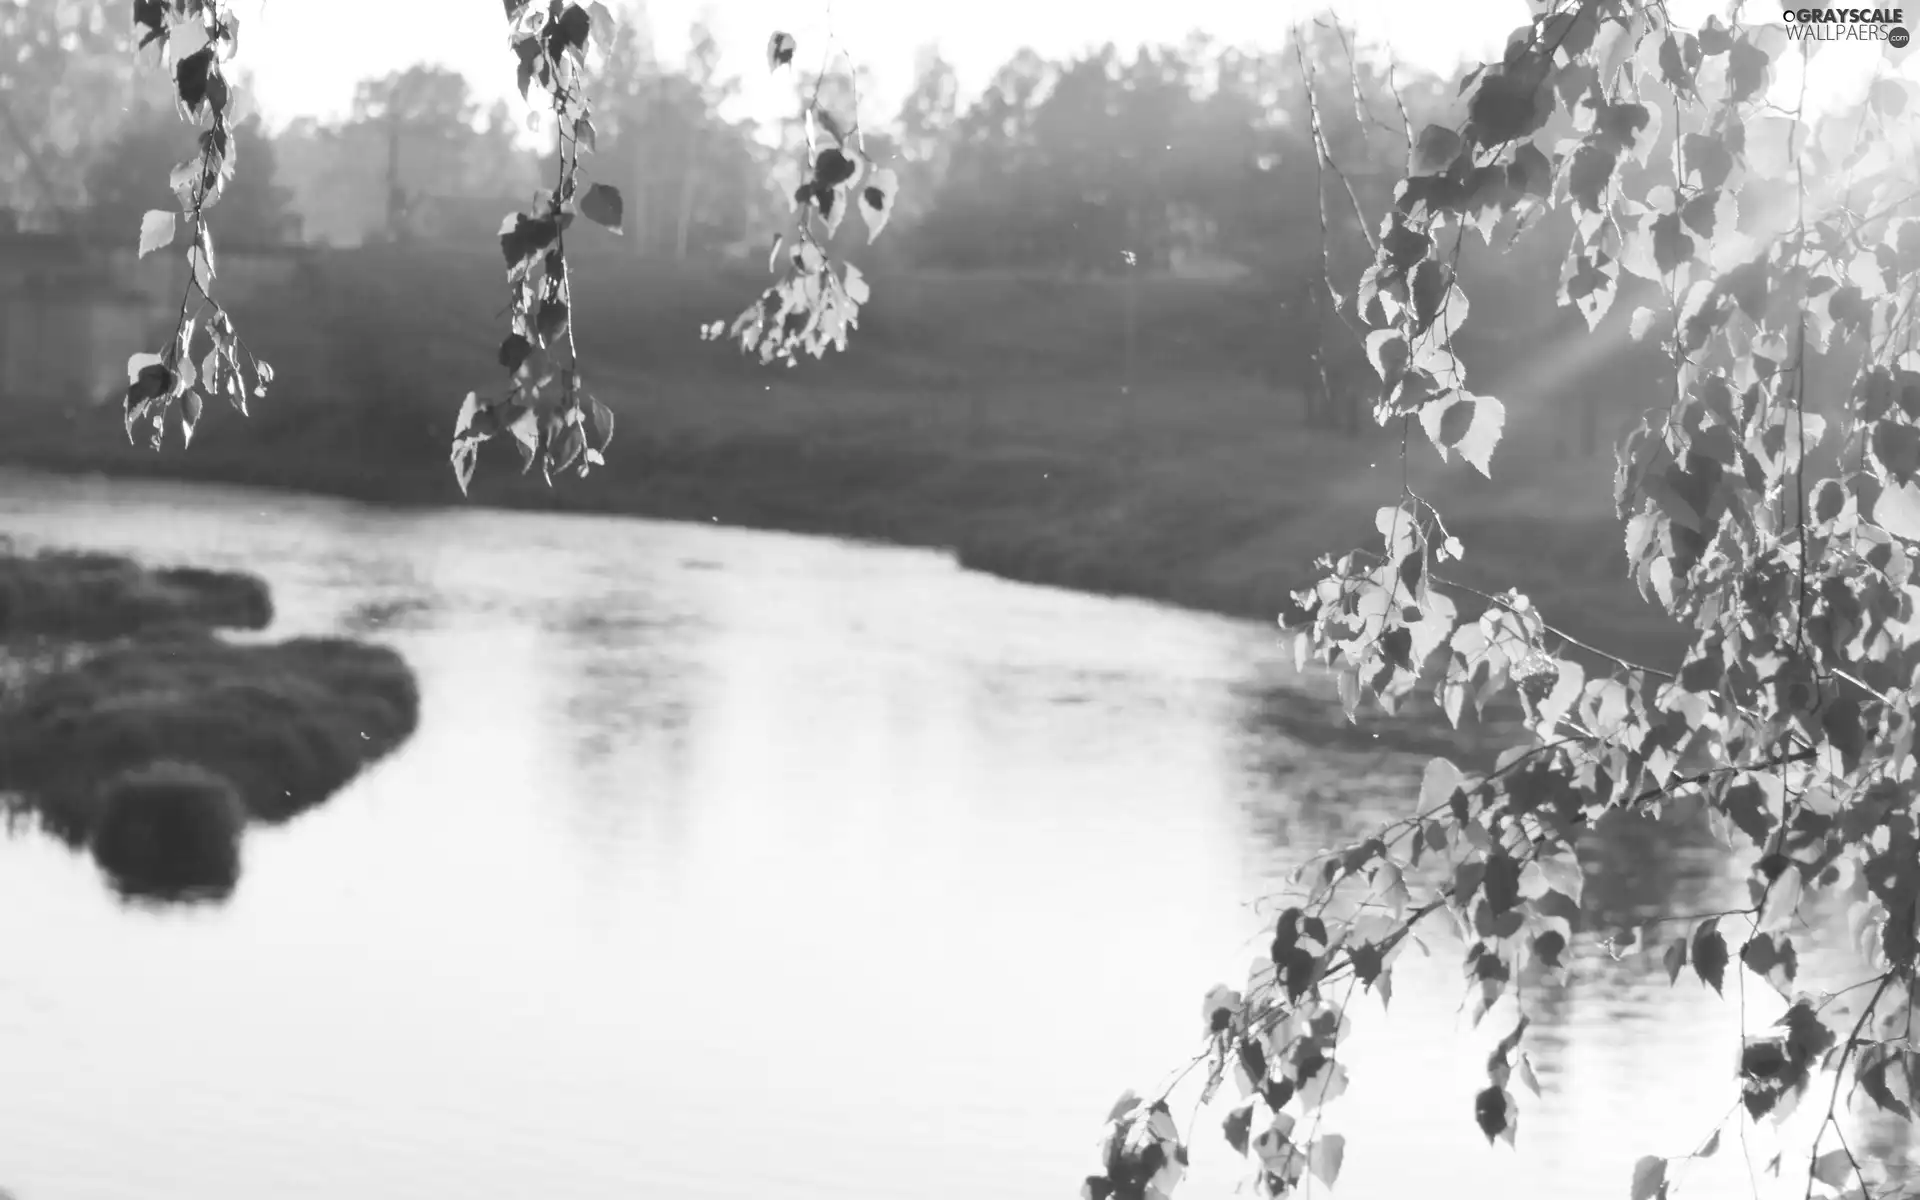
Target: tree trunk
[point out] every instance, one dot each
(1127, 388)
(639, 215)
(689, 188)
(396, 198)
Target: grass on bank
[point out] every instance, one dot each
(89, 597)
(169, 831)
(286, 724)
(996, 417)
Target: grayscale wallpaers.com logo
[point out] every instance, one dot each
(1847, 25)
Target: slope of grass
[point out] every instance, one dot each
(997, 417)
(86, 596)
(286, 724)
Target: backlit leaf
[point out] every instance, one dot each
(1525, 1071)
(1749, 69)
(1238, 1127)
(835, 166)
(877, 194)
(1505, 107)
(1708, 161)
(780, 48)
(1325, 1156)
(1649, 1178)
(1530, 173)
(1387, 351)
(603, 425)
(1435, 150)
(189, 416)
(514, 351)
(1833, 1168)
(1438, 783)
(1326, 1085)
(1872, 1074)
(466, 455)
(1709, 953)
(1219, 1007)
(156, 231)
(1482, 434)
(1589, 173)
(1898, 511)
(603, 23)
(573, 27)
(1493, 1112)
(1782, 901)
(602, 205)
(1675, 959)
(1428, 287)
(551, 321)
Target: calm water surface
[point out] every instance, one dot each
(733, 865)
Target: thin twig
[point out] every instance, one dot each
(1839, 1076)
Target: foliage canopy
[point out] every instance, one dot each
(1780, 252)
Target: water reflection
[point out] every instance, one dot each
(621, 689)
(793, 871)
(388, 615)
(1309, 766)
(1890, 1144)
(1671, 1090)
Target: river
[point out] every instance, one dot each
(729, 864)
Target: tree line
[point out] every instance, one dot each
(1089, 164)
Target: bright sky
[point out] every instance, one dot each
(304, 66)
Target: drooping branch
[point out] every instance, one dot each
(1790, 719)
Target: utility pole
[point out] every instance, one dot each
(1132, 261)
(396, 195)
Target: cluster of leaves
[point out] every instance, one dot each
(545, 409)
(1789, 723)
(560, 428)
(195, 39)
(812, 307)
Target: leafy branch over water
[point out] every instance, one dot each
(546, 410)
(1772, 247)
(195, 39)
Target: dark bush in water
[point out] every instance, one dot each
(99, 596)
(287, 724)
(169, 831)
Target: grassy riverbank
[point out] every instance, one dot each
(128, 726)
(83, 597)
(287, 724)
(996, 418)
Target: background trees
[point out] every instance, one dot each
(64, 85)
(694, 180)
(415, 159)
(128, 177)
